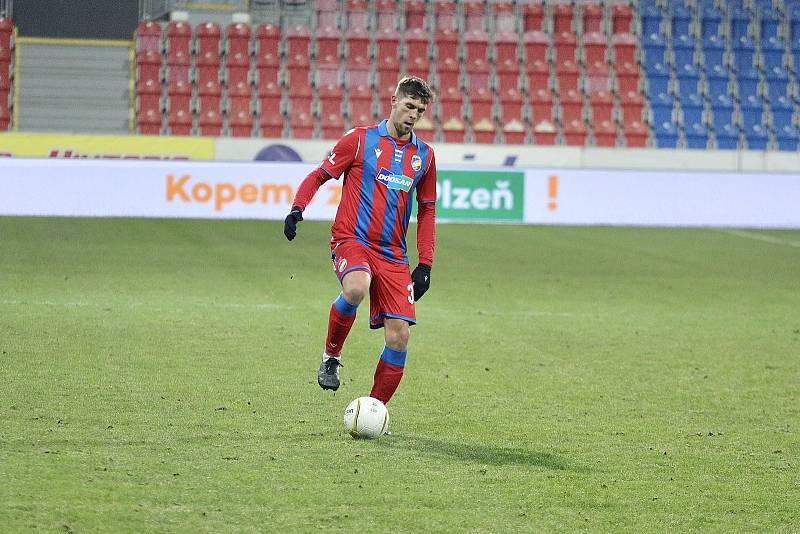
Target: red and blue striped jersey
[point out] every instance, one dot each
(380, 176)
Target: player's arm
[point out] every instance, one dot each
(426, 230)
(339, 159)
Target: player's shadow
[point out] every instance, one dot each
(488, 454)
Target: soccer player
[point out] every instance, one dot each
(384, 166)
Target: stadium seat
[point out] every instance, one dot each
(532, 17)
(782, 112)
(514, 132)
(711, 20)
(240, 123)
(330, 97)
(575, 132)
(270, 125)
(666, 134)
(415, 14)
(476, 47)
(655, 49)
(148, 121)
(627, 75)
(621, 18)
(357, 44)
(179, 122)
(512, 105)
(208, 39)
(332, 125)
(651, 19)
(681, 18)
(474, 15)
(592, 18)
(445, 17)
(562, 18)
(237, 38)
(535, 44)
(387, 15)
(602, 105)
(453, 130)
(658, 78)
(688, 78)
(752, 111)
(504, 18)
(565, 45)
(360, 112)
(683, 50)
(148, 37)
(179, 38)
(298, 43)
(696, 134)
(605, 133)
(598, 77)
(718, 80)
(692, 109)
(662, 108)
(538, 76)
(148, 65)
(416, 45)
(484, 130)
(328, 51)
(594, 48)
(179, 95)
(387, 43)
(541, 104)
(301, 122)
(209, 123)
(568, 76)
(505, 53)
(571, 106)
(631, 106)
(756, 136)
(624, 45)
(268, 39)
(740, 22)
(727, 135)
(772, 53)
(636, 134)
(425, 129)
(209, 97)
(357, 16)
(787, 138)
(207, 67)
(544, 132)
(178, 66)
(148, 92)
(269, 98)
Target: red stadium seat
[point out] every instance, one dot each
(474, 15)
(506, 58)
(624, 45)
(564, 47)
(453, 130)
(207, 67)
(514, 132)
(484, 131)
(269, 98)
(270, 125)
(209, 97)
(594, 48)
(598, 77)
(178, 65)
(298, 43)
(505, 21)
(636, 134)
(148, 92)
(562, 18)
(571, 106)
(328, 46)
(148, 36)
(621, 17)
(237, 38)
(512, 105)
(237, 68)
(541, 102)
(425, 129)
(415, 14)
(179, 122)
(148, 121)
(605, 133)
(240, 123)
(447, 45)
(210, 123)
(268, 38)
(240, 97)
(532, 17)
(386, 15)
(387, 43)
(357, 15)
(327, 13)
(208, 38)
(602, 106)
(476, 45)
(536, 43)
(416, 44)
(360, 112)
(575, 133)
(357, 49)
(148, 65)
(331, 125)
(631, 106)
(544, 132)
(592, 18)
(179, 95)
(301, 122)
(627, 77)
(331, 96)
(444, 16)
(567, 75)
(179, 37)
(538, 76)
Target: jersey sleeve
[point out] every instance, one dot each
(426, 189)
(343, 154)
(309, 187)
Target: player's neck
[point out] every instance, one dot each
(395, 134)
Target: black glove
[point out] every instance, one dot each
(290, 222)
(422, 280)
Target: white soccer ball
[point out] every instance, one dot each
(366, 418)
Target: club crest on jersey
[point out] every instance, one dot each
(342, 265)
(416, 162)
(400, 182)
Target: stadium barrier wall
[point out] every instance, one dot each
(176, 188)
(312, 151)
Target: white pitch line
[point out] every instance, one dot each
(761, 237)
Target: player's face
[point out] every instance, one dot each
(406, 111)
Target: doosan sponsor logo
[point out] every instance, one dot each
(184, 189)
(500, 197)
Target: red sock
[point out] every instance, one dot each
(388, 375)
(341, 319)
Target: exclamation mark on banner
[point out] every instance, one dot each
(552, 187)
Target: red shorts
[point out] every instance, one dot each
(391, 293)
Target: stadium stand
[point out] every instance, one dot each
(687, 73)
(6, 72)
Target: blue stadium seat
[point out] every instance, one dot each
(757, 137)
(747, 83)
(651, 19)
(666, 134)
(654, 48)
(770, 22)
(777, 83)
(787, 138)
(657, 78)
(696, 135)
(692, 109)
(681, 18)
(772, 51)
(744, 51)
(688, 81)
(740, 21)
(722, 110)
(782, 112)
(727, 135)
(683, 48)
(752, 111)
(713, 50)
(662, 104)
(718, 80)
(711, 21)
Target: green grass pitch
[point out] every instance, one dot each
(160, 376)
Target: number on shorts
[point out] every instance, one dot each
(410, 293)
